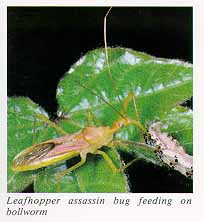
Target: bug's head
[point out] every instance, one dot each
(120, 123)
(124, 121)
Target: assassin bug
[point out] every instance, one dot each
(88, 140)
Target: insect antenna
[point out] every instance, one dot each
(106, 55)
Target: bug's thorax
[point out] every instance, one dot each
(97, 136)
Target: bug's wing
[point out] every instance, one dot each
(32, 153)
(50, 152)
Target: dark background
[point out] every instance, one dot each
(43, 42)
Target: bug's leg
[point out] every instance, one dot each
(92, 119)
(124, 145)
(112, 165)
(108, 160)
(52, 124)
(60, 174)
(117, 143)
(131, 96)
(129, 164)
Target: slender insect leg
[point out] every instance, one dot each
(124, 146)
(60, 174)
(135, 106)
(109, 161)
(131, 96)
(111, 164)
(52, 124)
(129, 163)
(92, 119)
(126, 103)
(116, 143)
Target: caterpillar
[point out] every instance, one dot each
(169, 150)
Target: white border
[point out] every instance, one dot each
(109, 212)
(99, 2)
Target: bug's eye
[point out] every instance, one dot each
(121, 125)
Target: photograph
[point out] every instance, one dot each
(100, 99)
